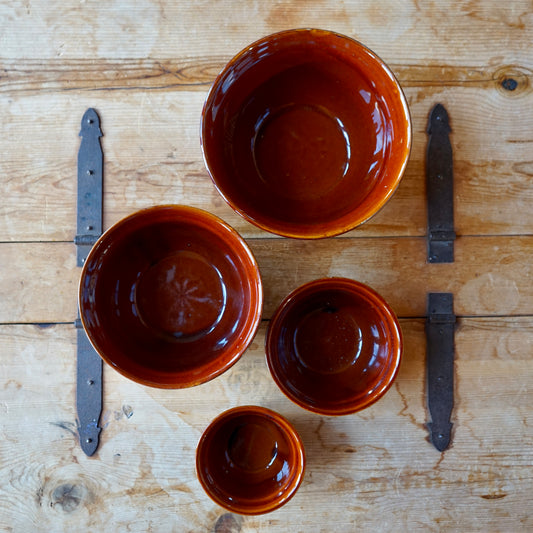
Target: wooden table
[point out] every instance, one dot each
(146, 66)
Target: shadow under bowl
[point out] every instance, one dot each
(250, 460)
(334, 346)
(306, 133)
(170, 296)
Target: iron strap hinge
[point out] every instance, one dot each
(439, 182)
(89, 228)
(90, 186)
(440, 328)
(85, 240)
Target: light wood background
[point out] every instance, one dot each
(146, 66)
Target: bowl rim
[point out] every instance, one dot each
(337, 228)
(348, 407)
(261, 506)
(252, 321)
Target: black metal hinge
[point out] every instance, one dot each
(439, 183)
(440, 328)
(89, 228)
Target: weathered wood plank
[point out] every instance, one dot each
(30, 77)
(35, 76)
(399, 31)
(38, 280)
(153, 156)
(490, 276)
(42, 204)
(375, 469)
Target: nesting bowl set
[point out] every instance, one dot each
(305, 134)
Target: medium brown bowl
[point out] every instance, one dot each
(250, 460)
(334, 346)
(170, 296)
(306, 133)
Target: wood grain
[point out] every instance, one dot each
(374, 469)
(152, 156)
(147, 66)
(472, 33)
(490, 276)
(29, 77)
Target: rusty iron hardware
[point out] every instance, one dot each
(89, 228)
(90, 185)
(440, 328)
(439, 183)
(88, 392)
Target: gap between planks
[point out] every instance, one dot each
(265, 321)
(267, 237)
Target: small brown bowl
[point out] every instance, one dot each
(306, 133)
(334, 346)
(170, 296)
(250, 460)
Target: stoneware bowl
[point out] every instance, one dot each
(170, 296)
(306, 133)
(334, 346)
(250, 460)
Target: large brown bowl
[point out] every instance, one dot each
(306, 133)
(170, 296)
(250, 460)
(334, 346)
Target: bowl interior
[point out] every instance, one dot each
(170, 296)
(334, 346)
(306, 133)
(250, 460)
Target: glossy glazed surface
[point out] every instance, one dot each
(306, 133)
(334, 346)
(250, 460)
(170, 296)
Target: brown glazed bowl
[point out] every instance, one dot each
(250, 460)
(334, 346)
(306, 133)
(170, 296)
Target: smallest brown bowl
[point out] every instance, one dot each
(250, 460)
(334, 346)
